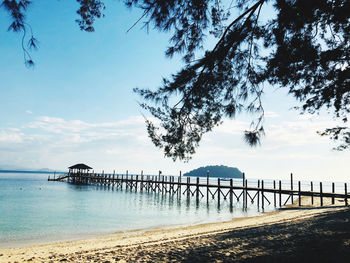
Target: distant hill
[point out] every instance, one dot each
(220, 171)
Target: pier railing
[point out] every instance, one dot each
(231, 190)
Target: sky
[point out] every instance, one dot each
(77, 105)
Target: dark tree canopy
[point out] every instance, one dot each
(302, 46)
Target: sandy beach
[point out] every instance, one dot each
(306, 234)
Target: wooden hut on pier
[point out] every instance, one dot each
(79, 173)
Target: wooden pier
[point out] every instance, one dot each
(203, 187)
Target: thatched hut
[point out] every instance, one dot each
(79, 168)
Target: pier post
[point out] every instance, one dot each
(299, 194)
(274, 193)
(244, 195)
(137, 179)
(262, 194)
(291, 187)
(179, 186)
(142, 182)
(258, 194)
(170, 184)
(165, 186)
(148, 184)
(333, 190)
(231, 192)
(321, 194)
(312, 193)
(173, 184)
(346, 194)
(207, 186)
(131, 182)
(197, 189)
(152, 182)
(219, 191)
(188, 186)
(126, 179)
(280, 192)
(141, 186)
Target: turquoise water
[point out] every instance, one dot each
(33, 210)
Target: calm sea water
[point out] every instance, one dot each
(33, 210)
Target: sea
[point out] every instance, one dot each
(34, 210)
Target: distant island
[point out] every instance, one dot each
(220, 171)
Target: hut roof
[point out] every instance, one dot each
(80, 166)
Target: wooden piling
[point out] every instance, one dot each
(321, 194)
(262, 194)
(231, 192)
(179, 186)
(171, 188)
(188, 186)
(244, 195)
(333, 190)
(137, 179)
(197, 188)
(346, 194)
(148, 183)
(299, 194)
(312, 193)
(274, 193)
(291, 187)
(142, 183)
(219, 192)
(126, 180)
(258, 195)
(207, 186)
(280, 193)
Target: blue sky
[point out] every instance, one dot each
(77, 105)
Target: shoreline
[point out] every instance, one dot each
(87, 236)
(106, 246)
(76, 237)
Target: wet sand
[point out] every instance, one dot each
(292, 234)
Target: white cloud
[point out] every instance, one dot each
(11, 136)
(29, 112)
(57, 143)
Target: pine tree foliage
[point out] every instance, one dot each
(302, 46)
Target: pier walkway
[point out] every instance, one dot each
(206, 187)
